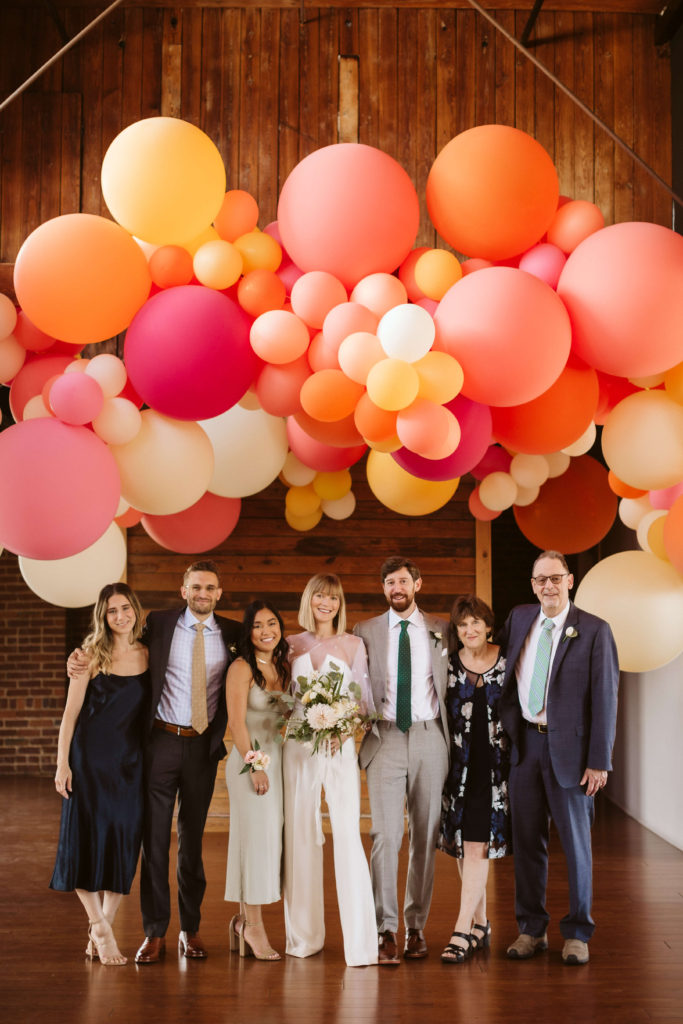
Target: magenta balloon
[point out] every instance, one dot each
(201, 527)
(475, 426)
(187, 353)
(64, 491)
(319, 456)
(349, 209)
(495, 460)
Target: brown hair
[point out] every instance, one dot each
(99, 643)
(397, 562)
(203, 566)
(463, 607)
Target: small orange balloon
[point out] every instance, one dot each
(329, 395)
(237, 216)
(621, 489)
(260, 291)
(373, 423)
(170, 266)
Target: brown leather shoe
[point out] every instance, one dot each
(151, 950)
(415, 947)
(387, 948)
(191, 946)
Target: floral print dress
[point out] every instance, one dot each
(464, 705)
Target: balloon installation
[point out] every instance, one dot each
(288, 354)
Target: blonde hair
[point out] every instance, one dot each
(322, 583)
(99, 643)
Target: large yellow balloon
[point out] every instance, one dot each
(166, 467)
(163, 180)
(642, 599)
(642, 440)
(404, 493)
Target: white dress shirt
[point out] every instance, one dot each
(175, 705)
(424, 701)
(525, 663)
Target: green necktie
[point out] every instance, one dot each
(403, 708)
(539, 675)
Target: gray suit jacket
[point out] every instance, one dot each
(375, 636)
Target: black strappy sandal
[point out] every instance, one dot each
(480, 942)
(454, 954)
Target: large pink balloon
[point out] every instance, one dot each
(201, 527)
(508, 330)
(60, 488)
(348, 209)
(623, 287)
(317, 455)
(475, 425)
(187, 353)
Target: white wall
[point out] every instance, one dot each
(647, 781)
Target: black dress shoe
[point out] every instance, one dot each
(387, 949)
(151, 950)
(415, 947)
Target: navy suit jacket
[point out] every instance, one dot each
(158, 636)
(581, 704)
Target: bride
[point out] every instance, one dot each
(322, 613)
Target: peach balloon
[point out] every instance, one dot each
(118, 422)
(558, 463)
(8, 316)
(81, 278)
(279, 336)
(237, 216)
(358, 353)
(441, 377)
(622, 289)
(497, 491)
(329, 395)
(436, 271)
(492, 191)
(36, 409)
(404, 493)
(348, 318)
(323, 354)
(526, 495)
(393, 384)
(315, 294)
(509, 331)
(166, 467)
(217, 264)
(632, 510)
(13, 357)
(642, 599)
(109, 372)
(642, 440)
(380, 293)
(673, 536)
(340, 508)
(573, 222)
(163, 179)
(170, 266)
(423, 427)
(529, 470)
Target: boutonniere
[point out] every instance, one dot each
(569, 633)
(233, 648)
(436, 637)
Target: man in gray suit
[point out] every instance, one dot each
(559, 707)
(406, 753)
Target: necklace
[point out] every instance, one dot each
(264, 661)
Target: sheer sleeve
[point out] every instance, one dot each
(361, 675)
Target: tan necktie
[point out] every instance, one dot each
(200, 718)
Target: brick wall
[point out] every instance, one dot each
(33, 642)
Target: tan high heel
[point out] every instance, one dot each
(108, 959)
(247, 950)
(233, 934)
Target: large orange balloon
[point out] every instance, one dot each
(553, 420)
(573, 512)
(349, 209)
(81, 278)
(623, 287)
(508, 330)
(492, 191)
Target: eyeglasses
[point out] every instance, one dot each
(556, 579)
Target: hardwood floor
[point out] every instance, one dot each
(635, 972)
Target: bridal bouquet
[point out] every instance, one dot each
(328, 712)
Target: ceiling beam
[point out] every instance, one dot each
(614, 6)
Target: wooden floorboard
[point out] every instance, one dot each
(634, 974)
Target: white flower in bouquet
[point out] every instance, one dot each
(322, 716)
(329, 711)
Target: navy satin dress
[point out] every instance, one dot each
(101, 826)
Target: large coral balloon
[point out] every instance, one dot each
(573, 511)
(623, 287)
(492, 191)
(81, 278)
(163, 179)
(350, 210)
(508, 330)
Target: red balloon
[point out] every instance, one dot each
(573, 512)
(508, 330)
(187, 353)
(555, 419)
(349, 209)
(201, 527)
(320, 456)
(64, 492)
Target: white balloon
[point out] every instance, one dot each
(76, 581)
(406, 332)
(642, 599)
(584, 443)
(250, 448)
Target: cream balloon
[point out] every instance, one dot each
(12, 357)
(558, 463)
(296, 473)
(645, 525)
(76, 581)
(497, 491)
(110, 373)
(118, 422)
(642, 599)
(526, 496)
(584, 443)
(166, 467)
(642, 440)
(632, 510)
(35, 409)
(340, 508)
(250, 448)
(529, 471)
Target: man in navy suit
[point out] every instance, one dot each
(559, 707)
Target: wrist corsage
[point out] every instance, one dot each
(255, 760)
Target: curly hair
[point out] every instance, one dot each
(99, 643)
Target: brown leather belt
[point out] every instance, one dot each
(177, 730)
(536, 726)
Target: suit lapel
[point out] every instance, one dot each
(563, 646)
(437, 653)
